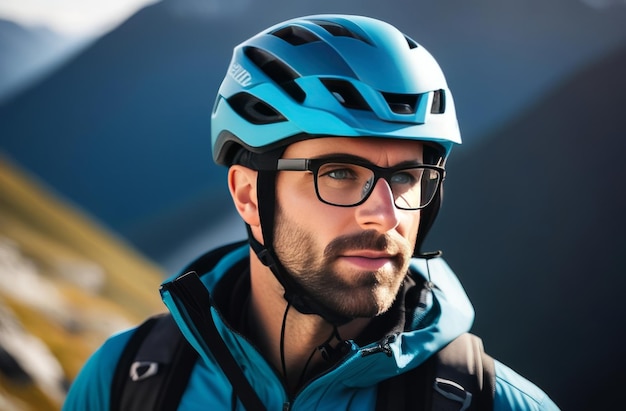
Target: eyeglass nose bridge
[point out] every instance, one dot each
(370, 185)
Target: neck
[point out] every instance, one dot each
(291, 346)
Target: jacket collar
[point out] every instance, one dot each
(432, 311)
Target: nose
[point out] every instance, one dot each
(379, 212)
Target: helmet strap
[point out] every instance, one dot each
(428, 216)
(295, 294)
(432, 155)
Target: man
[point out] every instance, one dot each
(335, 130)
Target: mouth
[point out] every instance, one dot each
(368, 260)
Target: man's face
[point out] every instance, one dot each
(353, 259)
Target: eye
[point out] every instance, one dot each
(409, 177)
(338, 172)
(341, 174)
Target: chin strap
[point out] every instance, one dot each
(295, 294)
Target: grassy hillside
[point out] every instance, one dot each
(65, 285)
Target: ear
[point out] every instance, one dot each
(242, 186)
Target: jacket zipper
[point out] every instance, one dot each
(384, 346)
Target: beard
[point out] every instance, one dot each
(348, 291)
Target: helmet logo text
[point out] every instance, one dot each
(240, 74)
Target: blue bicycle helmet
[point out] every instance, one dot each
(320, 76)
(331, 75)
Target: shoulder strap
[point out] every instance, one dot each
(154, 368)
(197, 299)
(465, 375)
(460, 377)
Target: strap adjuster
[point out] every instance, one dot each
(454, 392)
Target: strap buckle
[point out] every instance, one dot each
(140, 370)
(454, 392)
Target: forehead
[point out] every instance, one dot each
(377, 150)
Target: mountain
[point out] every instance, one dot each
(122, 130)
(65, 285)
(28, 54)
(533, 221)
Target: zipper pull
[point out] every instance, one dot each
(382, 346)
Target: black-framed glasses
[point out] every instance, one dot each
(346, 181)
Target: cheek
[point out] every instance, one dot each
(295, 189)
(411, 223)
(297, 198)
(300, 207)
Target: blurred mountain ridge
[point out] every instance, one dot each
(65, 285)
(31, 53)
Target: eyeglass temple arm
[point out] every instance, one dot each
(293, 164)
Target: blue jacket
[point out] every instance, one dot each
(349, 385)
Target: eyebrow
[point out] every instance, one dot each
(349, 157)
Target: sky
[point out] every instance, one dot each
(93, 17)
(71, 17)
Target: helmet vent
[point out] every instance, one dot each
(254, 110)
(401, 103)
(295, 35)
(346, 94)
(439, 102)
(412, 43)
(338, 30)
(277, 70)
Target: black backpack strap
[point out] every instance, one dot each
(465, 375)
(460, 377)
(156, 363)
(407, 391)
(189, 288)
(154, 368)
